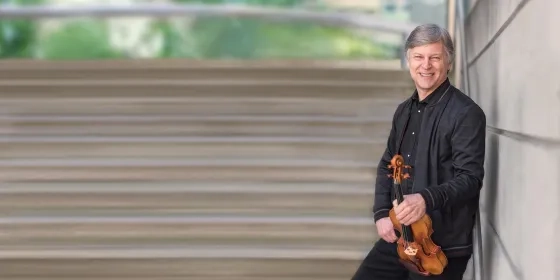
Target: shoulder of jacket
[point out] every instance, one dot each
(403, 105)
(463, 104)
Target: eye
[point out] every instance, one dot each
(436, 58)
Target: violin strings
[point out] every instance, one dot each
(404, 228)
(406, 231)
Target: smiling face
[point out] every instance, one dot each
(428, 65)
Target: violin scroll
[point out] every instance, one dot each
(397, 164)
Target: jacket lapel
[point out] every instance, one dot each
(405, 118)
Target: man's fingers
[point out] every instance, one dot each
(386, 230)
(406, 221)
(401, 206)
(395, 204)
(403, 212)
(410, 218)
(388, 234)
(389, 237)
(392, 236)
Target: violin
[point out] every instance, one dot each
(416, 250)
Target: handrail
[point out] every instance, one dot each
(478, 264)
(344, 19)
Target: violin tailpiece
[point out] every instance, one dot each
(411, 251)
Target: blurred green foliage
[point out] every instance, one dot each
(199, 38)
(18, 37)
(79, 40)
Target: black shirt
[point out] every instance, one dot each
(410, 138)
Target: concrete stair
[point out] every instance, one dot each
(179, 170)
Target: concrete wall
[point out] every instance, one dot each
(513, 51)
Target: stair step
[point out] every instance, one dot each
(163, 88)
(255, 126)
(23, 119)
(118, 169)
(223, 277)
(180, 108)
(188, 197)
(185, 261)
(188, 70)
(123, 82)
(180, 139)
(161, 106)
(140, 252)
(302, 148)
(178, 162)
(148, 187)
(316, 231)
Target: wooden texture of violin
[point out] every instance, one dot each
(416, 250)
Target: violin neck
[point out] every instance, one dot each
(399, 195)
(406, 230)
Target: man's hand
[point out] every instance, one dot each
(411, 209)
(385, 229)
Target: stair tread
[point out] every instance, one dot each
(201, 82)
(188, 139)
(199, 100)
(167, 162)
(152, 218)
(156, 65)
(143, 213)
(184, 187)
(194, 277)
(46, 118)
(140, 251)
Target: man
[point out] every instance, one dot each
(440, 132)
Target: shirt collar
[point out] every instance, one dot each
(434, 96)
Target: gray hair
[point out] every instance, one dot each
(429, 34)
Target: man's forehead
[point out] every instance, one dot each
(432, 50)
(424, 52)
(434, 47)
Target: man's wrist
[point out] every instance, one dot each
(380, 214)
(428, 199)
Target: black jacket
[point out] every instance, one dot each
(449, 167)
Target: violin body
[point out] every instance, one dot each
(416, 250)
(422, 255)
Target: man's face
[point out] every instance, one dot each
(428, 66)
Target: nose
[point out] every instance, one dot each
(426, 64)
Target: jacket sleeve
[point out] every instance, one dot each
(383, 184)
(468, 141)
